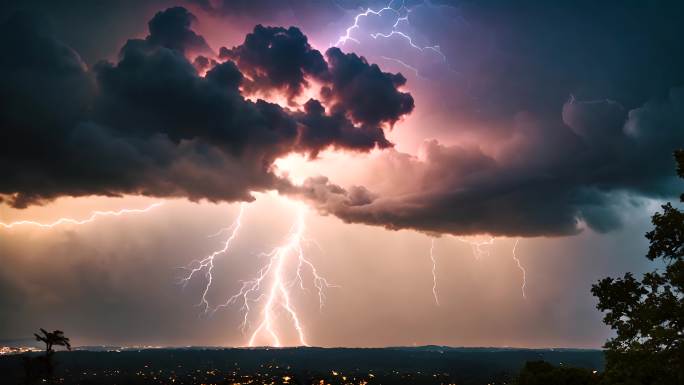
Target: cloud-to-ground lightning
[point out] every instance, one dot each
(272, 283)
(206, 264)
(278, 292)
(524, 273)
(480, 247)
(434, 271)
(71, 221)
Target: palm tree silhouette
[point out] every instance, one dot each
(50, 339)
(56, 338)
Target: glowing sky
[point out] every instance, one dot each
(547, 125)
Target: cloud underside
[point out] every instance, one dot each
(590, 169)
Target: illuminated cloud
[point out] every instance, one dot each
(600, 157)
(150, 124)
(277, 58)
(536, 138)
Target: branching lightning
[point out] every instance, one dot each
(286, 267)
(401, 14)
(71, 221)
(207, 263)
(480, 247)
(278, 293)
(272, 283)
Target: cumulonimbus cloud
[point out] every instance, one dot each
(172, 118)
(151, 124)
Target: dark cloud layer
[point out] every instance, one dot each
(601, 153)
(150, 124)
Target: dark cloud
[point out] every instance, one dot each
(602, 156)
(203, 64)
(171, 29)
(95, 29)
(282, 59)
(369, 94)
(277, 58)
(149, 123)
(321, 130)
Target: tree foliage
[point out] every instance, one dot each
(50, 339)
(42, 368)
(543, 373)
(648, 314)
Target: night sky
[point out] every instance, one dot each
(514, 142)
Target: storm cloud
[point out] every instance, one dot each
(597, 159)
(543, 127)
(551, 117)
(151, 124)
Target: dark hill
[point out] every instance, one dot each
(416, 365)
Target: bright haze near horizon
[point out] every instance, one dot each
(468, 133)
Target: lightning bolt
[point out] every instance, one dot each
(278, 294)
(480, 248)
(71, 221)
(272, 284)
(394, 32)
(207, 263)
(434, 268)
(522, 269)
(403, 64)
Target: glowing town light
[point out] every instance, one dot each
(71, 221)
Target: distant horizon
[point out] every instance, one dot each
(25, 342)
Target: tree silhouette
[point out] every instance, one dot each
(648, 315)
(50, 339)
(56, 338)
(543, 373)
